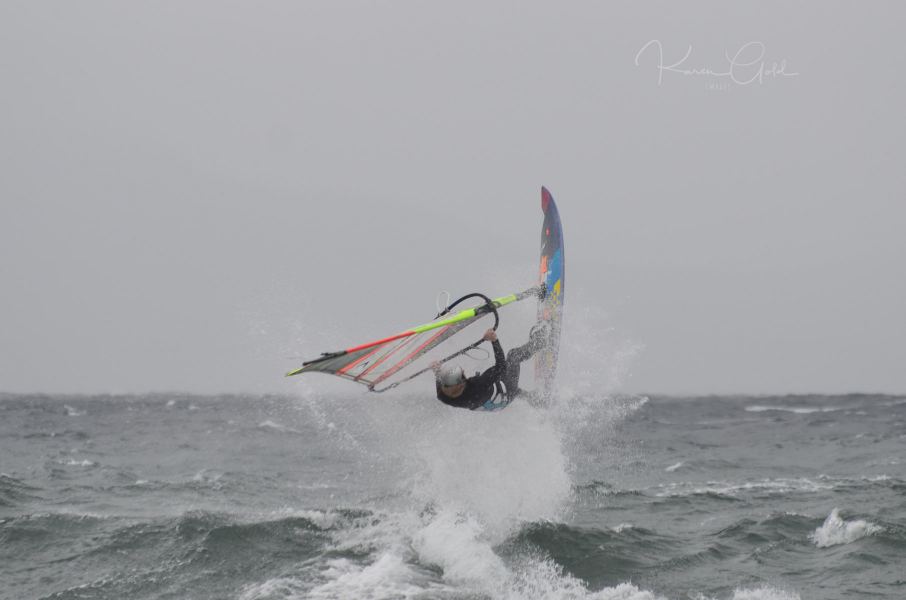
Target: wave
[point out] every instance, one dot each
(447, 553)
(269, 424)
(763, 593)
(337, 553)
(735, 490)
(835, 531)
(594, 491)
(770, 487)
(198, 553)
(73, 412)
(799, 410)
(436, 553)
(602, 556)
(72, 462)
(14, 491)
(194, 523)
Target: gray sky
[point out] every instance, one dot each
(192, 192)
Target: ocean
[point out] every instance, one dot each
(174, 496)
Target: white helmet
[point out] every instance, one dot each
(449, 376)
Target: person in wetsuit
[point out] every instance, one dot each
(455, 389)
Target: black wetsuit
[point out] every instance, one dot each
(481, 388)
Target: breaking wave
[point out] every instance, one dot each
(835, 530)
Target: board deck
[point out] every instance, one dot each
(550, 310)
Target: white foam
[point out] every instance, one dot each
(761, 593)
(387, 577)
(764, 593)
(321, 519)
(799, 410)
(674, 467)
(544, 580)
(478, 478)
(280, 587)
(77, 513)
(79, 463)
(403, 544)
(733, 489)
(459, 546)
(268, 424)
(207, 477)
(454, 543)
(835, 531)
(390, 571)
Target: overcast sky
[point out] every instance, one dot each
(191, 192)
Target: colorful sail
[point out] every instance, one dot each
(387, 362)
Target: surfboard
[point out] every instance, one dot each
(550, 309)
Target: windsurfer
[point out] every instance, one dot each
(455, 389)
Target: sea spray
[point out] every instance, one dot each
(836, 531)
(764, 593)
(475, 478)
(506, 469)
(594, 364)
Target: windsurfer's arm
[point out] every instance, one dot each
(494, 374)
(499, 358)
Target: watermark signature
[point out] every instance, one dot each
(746, 67)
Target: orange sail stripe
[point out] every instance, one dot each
(380, 342)
(403, 362)
(345, 369)
(383, 358)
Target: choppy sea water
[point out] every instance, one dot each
(630, 498)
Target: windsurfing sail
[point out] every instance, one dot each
(385, 363)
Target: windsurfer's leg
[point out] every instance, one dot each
(511, 376)
(516, 356)
(537, 338)
(520, 354)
